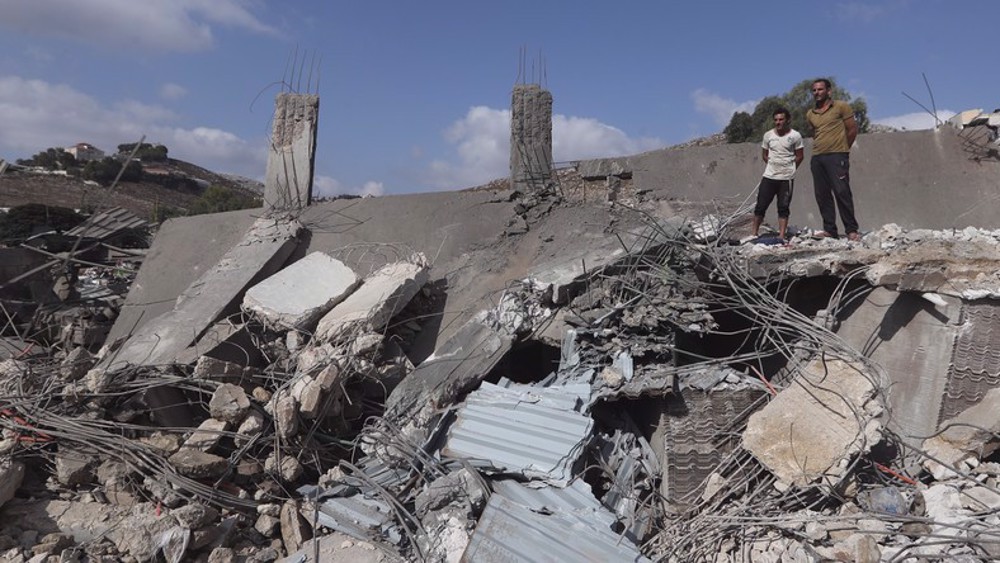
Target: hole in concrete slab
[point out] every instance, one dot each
(528, 362)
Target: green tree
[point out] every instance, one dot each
(798, 100)
(217, 199)
(52, 158)
(147, 152)
(105, 171)
(740, 128)
(25, 220)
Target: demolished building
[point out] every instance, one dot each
(581, 366)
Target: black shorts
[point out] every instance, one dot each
(769, 188)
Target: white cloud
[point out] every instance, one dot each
(720, 109)
(38, 114)
(913, 121)
(325, 186)
(157, 25)
(171, 91)
(482, 146)
(859, 11)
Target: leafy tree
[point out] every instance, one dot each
(52, 158)
(798, 100)
(217, 199)
(147, 152)
(105, 170)
(740, 128)
(25, 220)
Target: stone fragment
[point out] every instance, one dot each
(268, 525)
(312, 399)
(382, 294)
(163, 442)
(208, 367)
(260, 394)
(252, 425)
(296, 297)
(195, 515)
(229, 403)
(53, 544)
(289, 468)
(459, 487)
(294, 528)
(74, 467)
(76, 364)
(218, 535)
(329, 376)
(222, 555)
(198, 464)
(207, 436)
(11, 477)
(286, 415)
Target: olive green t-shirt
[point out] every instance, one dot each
(829, 131)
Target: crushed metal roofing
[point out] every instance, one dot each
(106, 224)
(524, 429)
(547, 524)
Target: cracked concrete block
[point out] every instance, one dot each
(208, 367)
(76, 365)
(286, 415)
(813, 426)
(229, 403)
(295, 298)
(207, 436)
(197, 464)
(268, 525)
(312, 399)
(289, 468)
(294, 528)
(74, 467)
(380, 297)
(195, 516)
(252, 425)
(11, 477)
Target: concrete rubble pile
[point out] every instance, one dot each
(675, 398)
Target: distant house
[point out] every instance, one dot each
(85, 151)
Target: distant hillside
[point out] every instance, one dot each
(169, 184)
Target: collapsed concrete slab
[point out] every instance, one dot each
(812, 428)
(298, 296)
(261, 252)
(382, 294)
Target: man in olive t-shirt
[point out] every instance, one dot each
(834, 131)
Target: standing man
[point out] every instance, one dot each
(781, 150)
(834, 131)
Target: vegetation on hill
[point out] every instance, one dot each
(147, 152)
(25, 220)
(105, 171)
(52, 158)
(752, 126)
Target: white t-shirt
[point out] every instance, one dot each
(781, 154)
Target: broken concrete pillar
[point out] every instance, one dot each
(530, 138)
(380, 297)
(289, 175)
(296, 297)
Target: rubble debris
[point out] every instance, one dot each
(972, 435)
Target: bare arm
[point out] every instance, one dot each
(799, 155)
(852, 130)
(763, 155)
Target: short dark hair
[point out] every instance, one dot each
(782, 110)
(826, 82)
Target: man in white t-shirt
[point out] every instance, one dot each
(782, 151)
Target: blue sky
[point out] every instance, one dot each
(415, 96)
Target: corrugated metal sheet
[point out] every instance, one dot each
(510, 531)
(975, 364)
(106, 224)
(520, 433)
